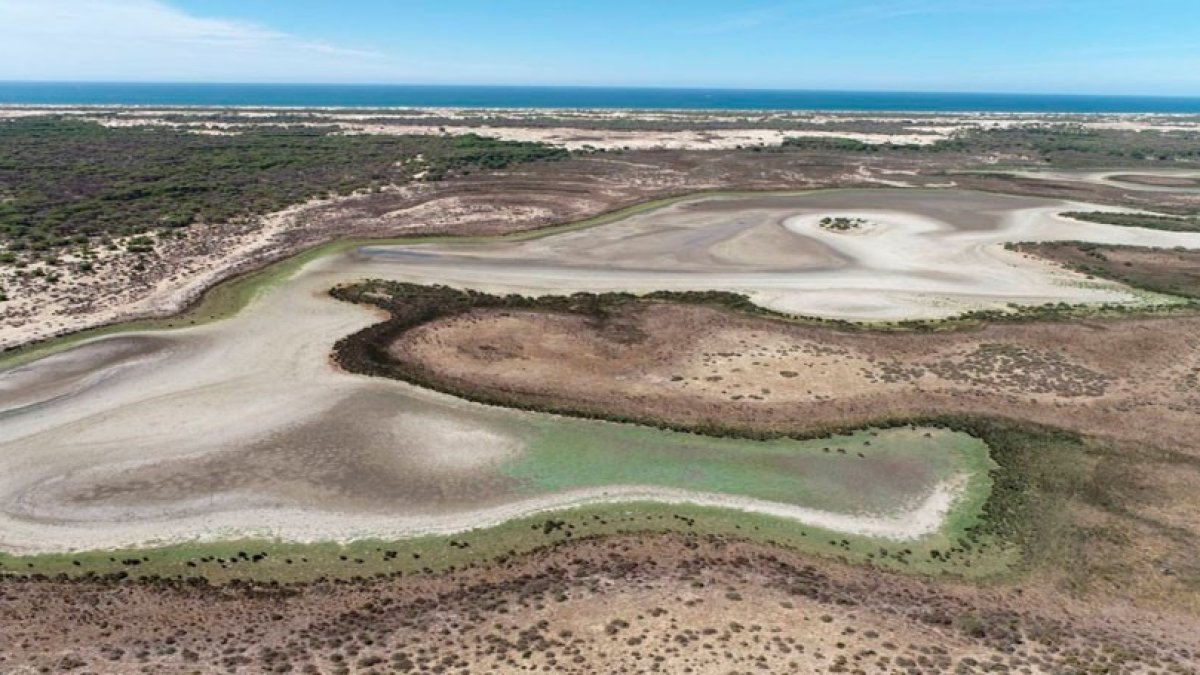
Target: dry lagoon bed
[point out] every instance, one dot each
(919, 255)
(243, 427)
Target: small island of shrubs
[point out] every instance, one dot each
(841, 224)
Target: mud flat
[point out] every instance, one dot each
(1181, 180)
(923, 254)
(243, 427)
(1157, 180)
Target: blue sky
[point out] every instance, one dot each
(1067, 46)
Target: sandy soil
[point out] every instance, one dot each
(526, 125)
(568, 137)
(232, 516)
(653, 604)
(1134, 380)
(178, 275)
(716, 139)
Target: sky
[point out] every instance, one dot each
(1147, 47)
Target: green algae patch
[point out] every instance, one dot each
(572, 454)
(868, 471)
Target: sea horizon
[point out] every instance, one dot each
(247, 95)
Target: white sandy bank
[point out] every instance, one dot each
(303, 526)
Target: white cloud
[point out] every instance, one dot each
(151, 40)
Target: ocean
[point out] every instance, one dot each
(388, 96)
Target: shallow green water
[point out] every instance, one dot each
(865, 472)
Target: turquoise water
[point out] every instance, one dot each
(382, 96)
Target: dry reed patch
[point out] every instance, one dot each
(1131, 379)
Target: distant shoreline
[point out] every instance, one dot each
(401, 97)
(249, 108)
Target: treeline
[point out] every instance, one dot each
(413, 304)
(833, 144)
(1056, 144)
(1076, 145)
(1148, 220)
(66, 181)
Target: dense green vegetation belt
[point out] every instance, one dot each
(65, 181)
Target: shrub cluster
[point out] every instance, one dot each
(1147, 220)
(66, 181)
